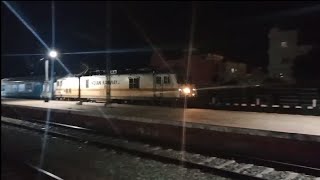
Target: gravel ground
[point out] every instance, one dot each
(71, 160)
(254, 171)
(276, 175)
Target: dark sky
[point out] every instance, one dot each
(235, 29)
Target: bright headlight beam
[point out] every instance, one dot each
(186, 90)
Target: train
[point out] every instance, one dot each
(123, 87)
(120, 87)
(22, 87)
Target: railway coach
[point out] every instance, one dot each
(22, 87)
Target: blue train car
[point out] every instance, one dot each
(30, 87)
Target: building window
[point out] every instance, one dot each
(285, 60)
(158, 80)
(87, 83)
(134, 83)
(284, 44)
(281, 75)
(3, 88)
(166, 80)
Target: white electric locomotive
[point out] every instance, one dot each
(123, 87)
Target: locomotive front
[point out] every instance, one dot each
(188, 90)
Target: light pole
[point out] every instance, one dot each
(47, 87)
(108, 56)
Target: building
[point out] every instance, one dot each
(233, 71)
(204, 69)
(283, 49)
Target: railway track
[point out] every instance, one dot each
(14, 169)
(231, 167)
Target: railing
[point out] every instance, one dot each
(268, 98)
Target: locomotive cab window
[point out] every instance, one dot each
(158, 79)
(134, 83)
(59, 83)
(166, 80)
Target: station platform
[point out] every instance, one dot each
(264, 124)
(280, 137)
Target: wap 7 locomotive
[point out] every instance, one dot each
(124, 87)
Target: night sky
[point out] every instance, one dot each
(233, 29)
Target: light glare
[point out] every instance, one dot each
(186, 90)
(53, 54)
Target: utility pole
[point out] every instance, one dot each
(53, 53)
(46, 82)
(108, 55)
(47, 92)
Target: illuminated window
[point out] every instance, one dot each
(21, 87)
(284, 44)
(232, 70)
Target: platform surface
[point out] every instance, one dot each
(288, 126)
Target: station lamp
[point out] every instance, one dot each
(53, 54)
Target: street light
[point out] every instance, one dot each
(53, 54)
(47, 88)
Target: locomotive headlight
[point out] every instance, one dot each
(186, 90)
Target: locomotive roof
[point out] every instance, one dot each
(126, 71)
(27, 78)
